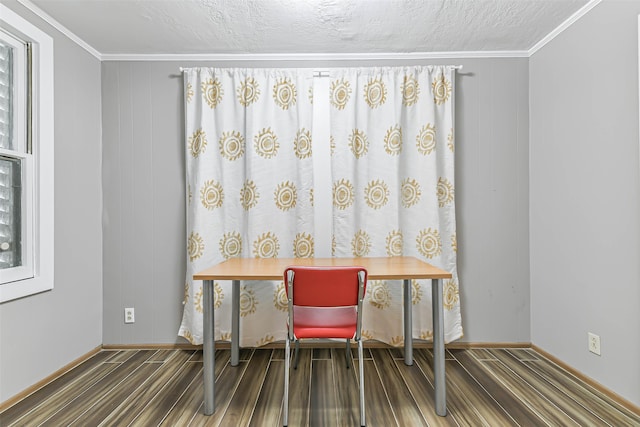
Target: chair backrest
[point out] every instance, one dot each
(333, 286)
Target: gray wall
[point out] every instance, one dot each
(585, 250)
(144, 257)
(143, 184)
(42, 333)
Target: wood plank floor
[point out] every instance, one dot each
(485, 387)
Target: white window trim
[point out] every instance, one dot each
(42, 139)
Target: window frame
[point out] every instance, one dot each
(38, 165)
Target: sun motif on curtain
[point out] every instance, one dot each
(249, 152)
(393, 185)
(249, 194)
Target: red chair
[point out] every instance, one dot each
(324, 302)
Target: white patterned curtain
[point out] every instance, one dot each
(393, 186)
(250, 179)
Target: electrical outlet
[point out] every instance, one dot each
(594, 343)
(129, 315)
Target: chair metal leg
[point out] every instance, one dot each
(347, 352)
(296, 354)
(361, 369)
(285, 400)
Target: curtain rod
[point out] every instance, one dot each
(325, 73)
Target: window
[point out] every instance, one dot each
(26, 158)
(15, 175)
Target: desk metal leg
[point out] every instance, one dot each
(438, 348)
(208, 349)
(408, 324)
(235, 322)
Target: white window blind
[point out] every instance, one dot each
(10, 168)
(6, 77)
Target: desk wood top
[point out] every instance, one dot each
(273, 268)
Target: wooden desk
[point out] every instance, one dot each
(403, 268)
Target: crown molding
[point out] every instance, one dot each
(253, 57)
(58, 26)
(566, 24)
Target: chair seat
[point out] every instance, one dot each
(324, 322)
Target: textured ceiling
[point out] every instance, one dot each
(143, 27)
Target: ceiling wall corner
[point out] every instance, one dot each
(566, 24)
(58, 26)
